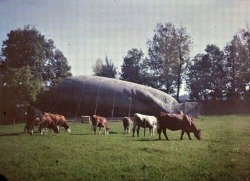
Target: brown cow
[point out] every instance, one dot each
(126, 124)
(101, 122)
(177, 122)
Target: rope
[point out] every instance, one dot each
(97, 98)
(113, 104)
(79, 102)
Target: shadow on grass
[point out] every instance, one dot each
(163, 140)
(145, 139)
(10, 134)
(78, 134)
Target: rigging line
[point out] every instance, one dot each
(113, 104)
(79, 103)
(97, 98)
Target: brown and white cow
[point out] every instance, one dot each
(101, 122)
(60, 121)
(47, 122)
(126, 124)
(175, 122)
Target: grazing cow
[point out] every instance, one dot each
(101, 122)
(47, 122)
(175, 122)
(60, 121)
(126, 124)
(144, 121)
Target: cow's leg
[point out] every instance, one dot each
(189, 135)
(151, 131)
(100, 130)
(94, 127)
(182, 133)
(165, 133)
(43, 130)
(138, 129)
(128, 129)
(154, 128)
(32, 131)
(133, 131)
(159, 132)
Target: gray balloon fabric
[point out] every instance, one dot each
(111, 97)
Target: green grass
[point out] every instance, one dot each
(222, 154)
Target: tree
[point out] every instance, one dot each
(29, 64)
(237, 57)
(168, 57)
(131, 69)
(18, 86)
(97, 67)
(106, 70)
(206, 77)
(27, 47)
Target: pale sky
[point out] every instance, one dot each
(85, 30)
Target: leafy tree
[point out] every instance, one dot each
(29, 64)
(168, 57)
(237, 57)
(27, 47)
(97, 67)
(206, 77)
(106, 70)
(18, 86)
(131, 69)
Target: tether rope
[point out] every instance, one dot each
(79, 102)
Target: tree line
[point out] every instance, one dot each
(31, 67)
(217, 74)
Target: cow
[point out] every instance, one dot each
(144, 121)
(126, 124)
(60, 121)
(47, 122)
(101, 122)
(175, 122)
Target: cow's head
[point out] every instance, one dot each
(197, 134)
(107, 130)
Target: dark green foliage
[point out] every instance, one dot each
(168, 55)
(105, 70)
(29, 64)
(222, 74)
(205, 77)
(131, 69)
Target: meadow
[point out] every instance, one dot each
(222, 154)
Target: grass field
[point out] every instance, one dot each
(222, 154)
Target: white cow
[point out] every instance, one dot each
(144, 121)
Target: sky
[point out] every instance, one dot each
(87, 30)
